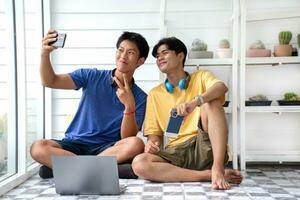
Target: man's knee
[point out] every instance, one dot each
(135, 144)
(141, 165)
(39, 149)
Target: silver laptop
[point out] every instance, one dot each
(88, 175)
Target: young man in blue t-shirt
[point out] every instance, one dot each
(111, 109)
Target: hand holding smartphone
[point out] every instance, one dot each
(60, 40)
(174, 124)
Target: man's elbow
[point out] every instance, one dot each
(48, 82)
(225, 88)
(45, 84)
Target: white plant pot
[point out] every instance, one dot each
(200, 54)
(224, 53)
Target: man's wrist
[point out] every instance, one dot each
(129, 109)
(200, 100)
(45, 54)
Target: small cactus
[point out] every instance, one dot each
(298, 40)
(198, 45)
(224, 44)
(258, 97)
(258, 44)
(285, 37)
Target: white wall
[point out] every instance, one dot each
(94, 26)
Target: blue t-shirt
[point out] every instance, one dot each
(100, 112)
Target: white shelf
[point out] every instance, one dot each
(273, 60)
(209, 62)
(272, 109)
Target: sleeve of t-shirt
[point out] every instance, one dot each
(140, 110)
(151, 126)
(209, 79)
(82, 77)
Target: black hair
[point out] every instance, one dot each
(138, 40)
(172, 43)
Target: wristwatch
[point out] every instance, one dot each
(199, 99)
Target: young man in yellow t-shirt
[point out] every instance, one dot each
(198, 152)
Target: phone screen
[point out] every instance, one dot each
(175, 122)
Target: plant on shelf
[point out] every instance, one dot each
(258, 100)
(224, 50)
(284, 48)
(289, 99)
(199, 50)
(258, 97)
(258, 49)
(291, 96)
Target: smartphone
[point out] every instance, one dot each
(60, 41)
(174, 124)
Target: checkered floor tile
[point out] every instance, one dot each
(263, 182)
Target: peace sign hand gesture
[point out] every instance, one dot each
(125, 95)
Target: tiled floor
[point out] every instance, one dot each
(263, 182)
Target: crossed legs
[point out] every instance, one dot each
(125, 150)
(153, 167)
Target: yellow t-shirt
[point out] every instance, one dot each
(160, 102)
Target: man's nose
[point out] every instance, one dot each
(159, 57)
(124, 54)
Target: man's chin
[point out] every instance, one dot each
(163, 70)
(124, 70)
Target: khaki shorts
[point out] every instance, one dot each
(195, 153)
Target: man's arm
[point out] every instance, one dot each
(129, 126)
(48, 76)
(214, 92)
(153, 144)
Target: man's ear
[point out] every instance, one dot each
(181, 56)
(140, 61)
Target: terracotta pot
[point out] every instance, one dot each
(283, 50)
(223, 53)
(258, 53)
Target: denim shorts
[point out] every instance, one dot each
(81, 148)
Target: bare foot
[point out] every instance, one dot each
(221, 181)
(233, 176)
(218, 181)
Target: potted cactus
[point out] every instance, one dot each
(199, 50)
(258, 49)
(224, 50)
(284, 48)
